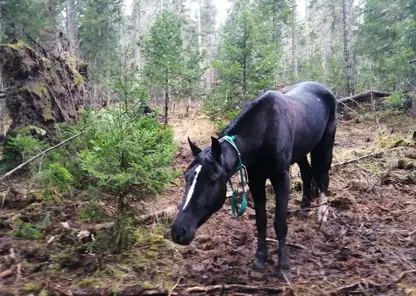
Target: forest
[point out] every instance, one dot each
(101, 100)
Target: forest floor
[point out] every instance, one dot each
(367, 246)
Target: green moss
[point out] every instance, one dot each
(30, 287)
(77, 77)
(90, 282)
(19, 45)
(36, 195)
(43, 293)
(72, 63)
(41, 90)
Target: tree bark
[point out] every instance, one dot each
(347, 69)
(294, 43)
(71, 28)
(307, 34)
(166, 100)
(136, 33)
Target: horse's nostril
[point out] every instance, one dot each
(178, 232)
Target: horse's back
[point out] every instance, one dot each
(313, 109)
(308, 92)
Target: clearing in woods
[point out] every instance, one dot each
(367, 247)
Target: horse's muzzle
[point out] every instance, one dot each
(181, 235)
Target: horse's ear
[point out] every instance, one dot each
(195, 149)
(216, 149)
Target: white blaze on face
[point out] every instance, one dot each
(192, 188)
(323, 209)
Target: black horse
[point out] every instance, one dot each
(272, 132)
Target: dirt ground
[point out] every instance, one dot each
(367, 247)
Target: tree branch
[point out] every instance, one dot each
(366, 156)
(38, 155)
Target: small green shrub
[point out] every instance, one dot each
(395, 101)
(55, 176)
(20, 148)
(27, 230)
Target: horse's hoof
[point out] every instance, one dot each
(284, 274)
(259, 264)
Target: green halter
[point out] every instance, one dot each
(241, 166)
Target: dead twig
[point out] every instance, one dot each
(375, 154)
(176, 284)
(206, 289)
(7, 272)
(18, 273)
(297, 246)
(167, 212)
(38, 155)
(399, 278)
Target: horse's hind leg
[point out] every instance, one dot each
(306, 174)
(321, 159)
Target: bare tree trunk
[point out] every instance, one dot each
(199, 26)
(136, 33)
(307, 32)
(166, 100)
(328, 39)
(71, 28)
(294, 42)
(347, 70)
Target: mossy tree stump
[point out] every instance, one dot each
(40, 90)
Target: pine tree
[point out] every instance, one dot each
(99, 31)
(163, 54)
(247, 61)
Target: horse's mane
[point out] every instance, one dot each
(244, 116)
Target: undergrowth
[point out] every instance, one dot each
(121, 155)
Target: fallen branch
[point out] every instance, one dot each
(375, 154)
(168, 212)
(38, 155)
(362, 285)
(399, 278)
(365, 95)
(234, 287)
(57, 290)
(7, 272)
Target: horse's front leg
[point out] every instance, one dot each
(281, 185)
(257, 187)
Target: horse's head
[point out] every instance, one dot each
(205, 191)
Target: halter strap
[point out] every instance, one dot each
(241, 167)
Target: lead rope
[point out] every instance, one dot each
(241, 167)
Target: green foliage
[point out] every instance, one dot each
(55, 176)
(247, 61)
(38, 18)
(93, 213)
(27, 230)
(129, 152)
(99, 34)
(389, 27)
(20, 148)
(395, 101)
(172, 62)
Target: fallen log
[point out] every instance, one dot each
(364, 96)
